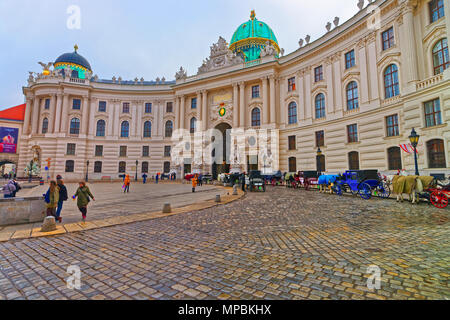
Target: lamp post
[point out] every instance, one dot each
(87, 171)
(30, 172)
(414, 139)
(135, 177)
(319, 153)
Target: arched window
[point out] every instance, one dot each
(193, 125)
(352, 96)
(101, 127)
(75, 126)
(256, 117)
(45, 125)
(144, 167)
(436, 153)
(320, 106)
(147, 129)
(391, 87)
(292, 164)
(292, 113)
(70, 166)
(440, 56)
(394, 158)
(169, 129)
(122, 166)
(353, 160)
(125, 129)
(98, 167)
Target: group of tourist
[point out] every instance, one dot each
(57, 194)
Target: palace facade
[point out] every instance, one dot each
(356, 93)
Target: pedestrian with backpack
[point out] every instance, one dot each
(62, 197)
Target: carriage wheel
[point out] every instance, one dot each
(338, 190)
(383, 190)
(364, 191)
(439, 199)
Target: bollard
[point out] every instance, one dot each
(49, 224)
(167, 208)
(235, 192)
(217, 198)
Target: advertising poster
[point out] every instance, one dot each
(9, 137)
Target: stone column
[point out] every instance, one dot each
(235, 105)
(140, 110)
(199, 110)
(301, 95)
(35, 121)
(204, 110)
(85, 115)
(58, 111)
(265, 115)
(116, 118)
(330, 90)
(242, 107)
(161, 124)
(51, 118)
(373, 70)
(337, 82)
(177, 112)
(65, 114)
(283, 90)
(133, 119)
(273, 116)
(408, 43)
(111, 110)
(308, 97)
(182, 112)
(155, 124)
(364, 86)
(91, 128)
(447, 21)
(27, 119)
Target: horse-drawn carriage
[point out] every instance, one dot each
(275, 179)
(256, 181)
(437, 196)
(365, 183)
(308, 179)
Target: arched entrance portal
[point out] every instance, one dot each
(8, 168)
(221, 163)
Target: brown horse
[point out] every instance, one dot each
(410, 185)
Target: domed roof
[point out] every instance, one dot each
(253, 29)
(73, 58)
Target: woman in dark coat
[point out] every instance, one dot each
(83, 193)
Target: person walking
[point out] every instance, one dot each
(126, 184)
(194, 182)
(62, 197)
(156, 178)
(200, 180)
(144, 177)
(83, 194)
(242, 181)
(52, 199)
(9, 189)
(18, 187)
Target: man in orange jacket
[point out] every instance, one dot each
(126, 184)
(194, 182)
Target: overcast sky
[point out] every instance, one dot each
(138, 38)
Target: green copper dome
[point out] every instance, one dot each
(251, 37)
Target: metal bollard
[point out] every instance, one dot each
(167, 208)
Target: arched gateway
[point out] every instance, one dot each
(220, 158)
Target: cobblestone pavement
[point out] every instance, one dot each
(282, 244)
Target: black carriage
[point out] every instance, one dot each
(256, 181)
(365, 183)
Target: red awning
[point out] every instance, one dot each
(15, 113)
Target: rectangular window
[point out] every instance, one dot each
(320, 138)
(388, 38)
(167, 150)
(97, 167)
(99, 151)
(47, 104)
(194, 103)
(123, 151)
(318, 74)
(392, 126)
(436, 10)
(433, 113)
(102, 106)
(292, 143)
(148, 108)
(291, 84)
(126, 107)
(71, 149)
(169, 107)
(352, 133)
(145, 151)
(350, 59)
(255, 92)
(76, 104)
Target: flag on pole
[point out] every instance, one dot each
(408, 148)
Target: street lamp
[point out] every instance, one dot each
(414, 139)
(319, 153)
(30, 172)
(87, 171)
(135, 177)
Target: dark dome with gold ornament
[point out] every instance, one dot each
(79, 65)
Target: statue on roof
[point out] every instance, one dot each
(181, 74)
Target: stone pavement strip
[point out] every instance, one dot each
(282, 244)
